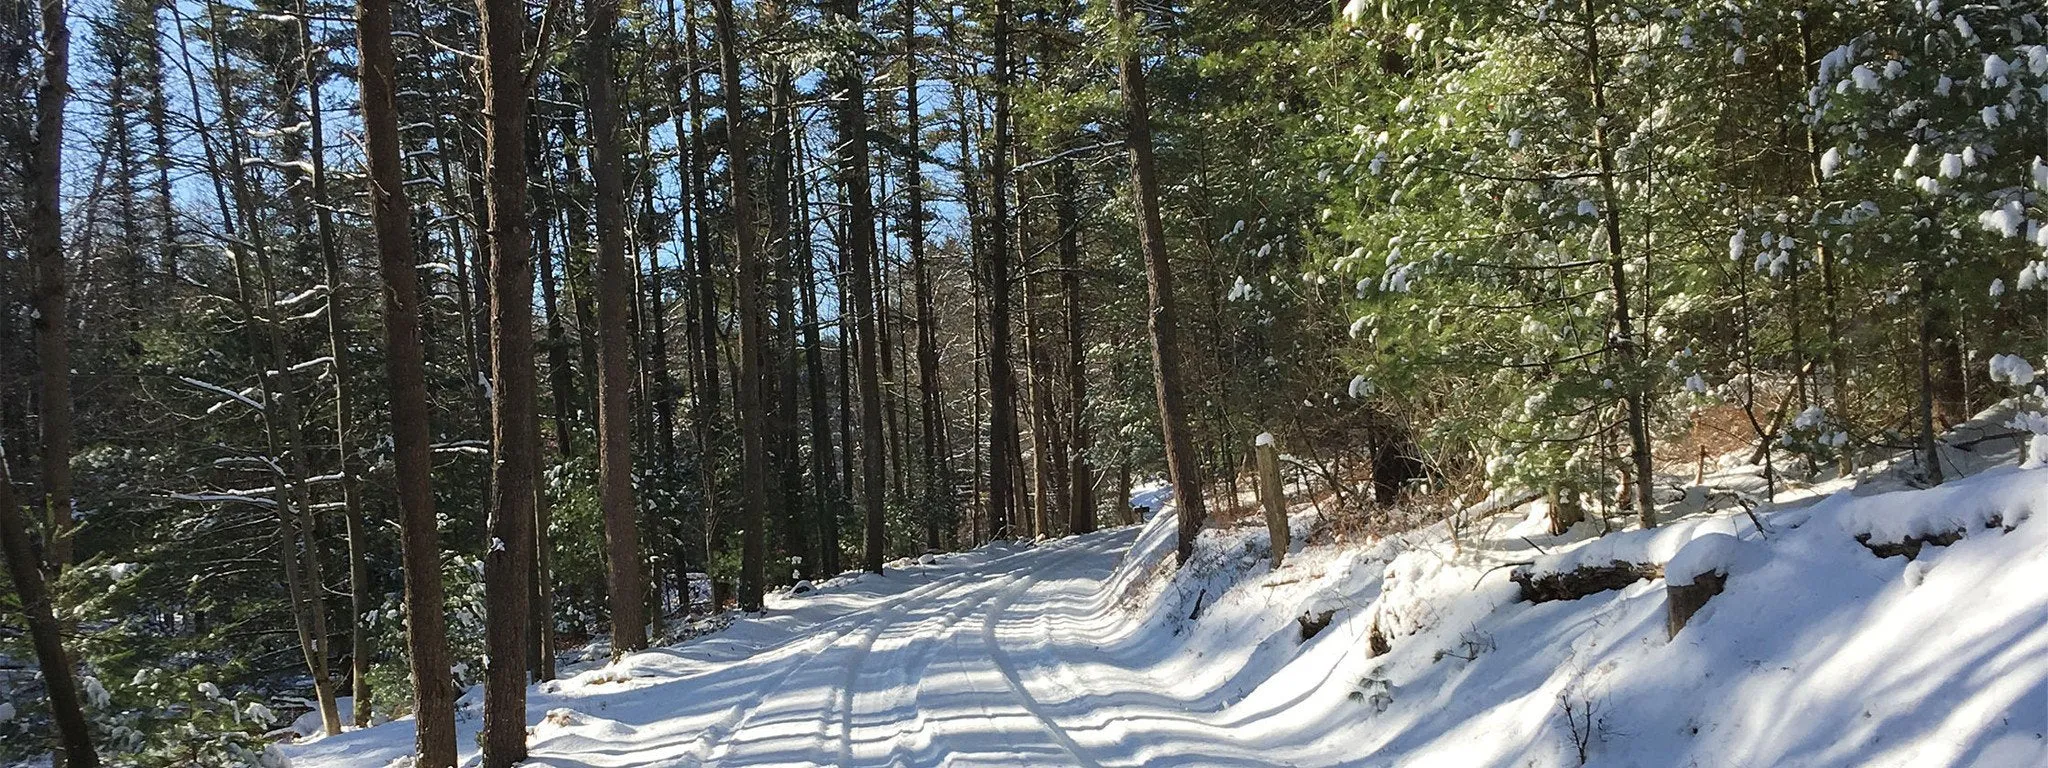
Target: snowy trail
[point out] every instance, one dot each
(1009, 655)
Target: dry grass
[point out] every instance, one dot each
(1720, 429)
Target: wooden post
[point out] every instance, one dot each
(1273, 496)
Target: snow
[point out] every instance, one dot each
(1094, 650)
(1359, 387)
(1264, 439)
(220, 390)
(1995, 70)
(2011, 369)
(1710, 553)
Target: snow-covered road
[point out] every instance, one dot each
(1009, 655)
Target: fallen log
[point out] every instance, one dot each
(1582, 581)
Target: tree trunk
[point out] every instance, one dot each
(626, 591)
(405, 365)
(359, 599)
(1003, 431)
(44, 631)
(1181, 464)
(508, 561)
(1125, 509)
(708, 393)
(746, 247)
(1080, 472)
(576, 266)
(540, 653)
(1929, 446)
(52, 291)
(936, 497)
(298, 547)
(784, 253)
(1634, 387)
(860, 265)
(168, 247)
(827, 487)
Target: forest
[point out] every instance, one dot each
(361, 360)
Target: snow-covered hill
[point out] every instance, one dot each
(1087, 651)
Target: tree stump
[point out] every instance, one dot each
(1684, 600)
(1273, 497)
(1565, 511)
(1314, 622)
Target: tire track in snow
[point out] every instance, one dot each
(870, 622)
(900, 679)
(1001, 660)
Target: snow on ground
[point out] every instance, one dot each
(1083, 651)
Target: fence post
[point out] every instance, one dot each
(1273, 496)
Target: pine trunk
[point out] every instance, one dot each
(1181, 464)
(746, 247)
(860, 265)
(626, 591)
(405, 365)
(45, 634)
(1080, 472)
(508, 561)
(52, 282)
(1003, 432)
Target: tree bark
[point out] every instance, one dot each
(45, 634)
(53, 290)
(359, 598)
(625, 589)
(1181, 465)
(508, 561)
(405, 366)
(860, 265)
(746, 246)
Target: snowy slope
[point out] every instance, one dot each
(1082, 652)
